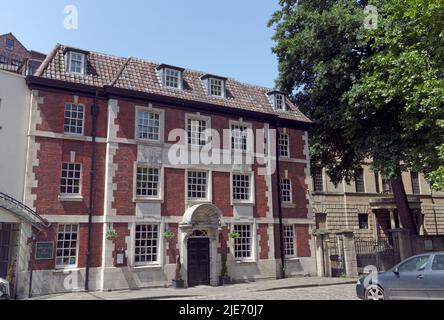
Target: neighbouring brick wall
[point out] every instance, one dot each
(223, 241)
(126, 119)
(52, 112)
(296, 143)
(174, 191)
(302, 240)
(96, 245)
(172, 245)
(221, 193)
(299, 188)
(120, 242)
(263, 242)
(125, 157)
(18, 53)
(51, 154)
(50, 234)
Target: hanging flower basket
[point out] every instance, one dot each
(169, 234)
(111, 235)
(234, 235)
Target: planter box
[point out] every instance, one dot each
(223, 280)
(178, 284)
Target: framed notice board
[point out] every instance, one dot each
(44, 250)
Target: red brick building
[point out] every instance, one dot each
(103, 167)
(15, 57)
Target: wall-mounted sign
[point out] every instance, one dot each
(120, 259)
(44, 250)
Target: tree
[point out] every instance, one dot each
(372, 93)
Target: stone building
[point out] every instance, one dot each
(366, 205)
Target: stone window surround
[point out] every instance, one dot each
(160, 196)
(161, 114)
(251, 200)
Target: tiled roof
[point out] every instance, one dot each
(141, 76)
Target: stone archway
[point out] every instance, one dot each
(204, 218)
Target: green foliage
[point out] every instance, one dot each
(168, 234)
(111, 234)
(234, 234)
(371, 93)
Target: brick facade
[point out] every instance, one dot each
(118, 151)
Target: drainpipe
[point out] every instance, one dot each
(281, 227)
(31, 262)
(94, 113)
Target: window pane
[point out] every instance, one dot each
(284, 145)
(147, 182)
(146, 242)
(70, 178)
(359, 180)
(73, 121)
(148, 125)
(438, 263)
(241, 187)
(318, 183)
(242, 244)
(66, 251)
(286, 196)
(415, 264)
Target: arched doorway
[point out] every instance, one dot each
(199, 233)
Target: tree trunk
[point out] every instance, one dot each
(402, 204)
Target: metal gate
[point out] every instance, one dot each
(5, 237)
(336, 250)
(379, 253)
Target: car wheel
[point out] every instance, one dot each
(374, 292)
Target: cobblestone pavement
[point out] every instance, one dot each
(299, 288)
(335, 292)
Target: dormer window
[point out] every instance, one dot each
(171, 76)
(215, 85)
(277, 99)
(75, 62)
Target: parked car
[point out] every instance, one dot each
(418, 277)
(4, 289)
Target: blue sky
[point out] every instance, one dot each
(229, 37)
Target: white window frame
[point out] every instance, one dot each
(198, 117)
(165, 75)
(83, 119)
(286, 240)
(251, 199)
(69, 57)
(161, 114)
(210, 83)
(283, 106)
(287, 146)
(67, 266)
(159, 247)
(249, 136)
(2, 59)
(290, 190)
(71, 195)
(142, 198)
(209, 189)
(252, 256)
